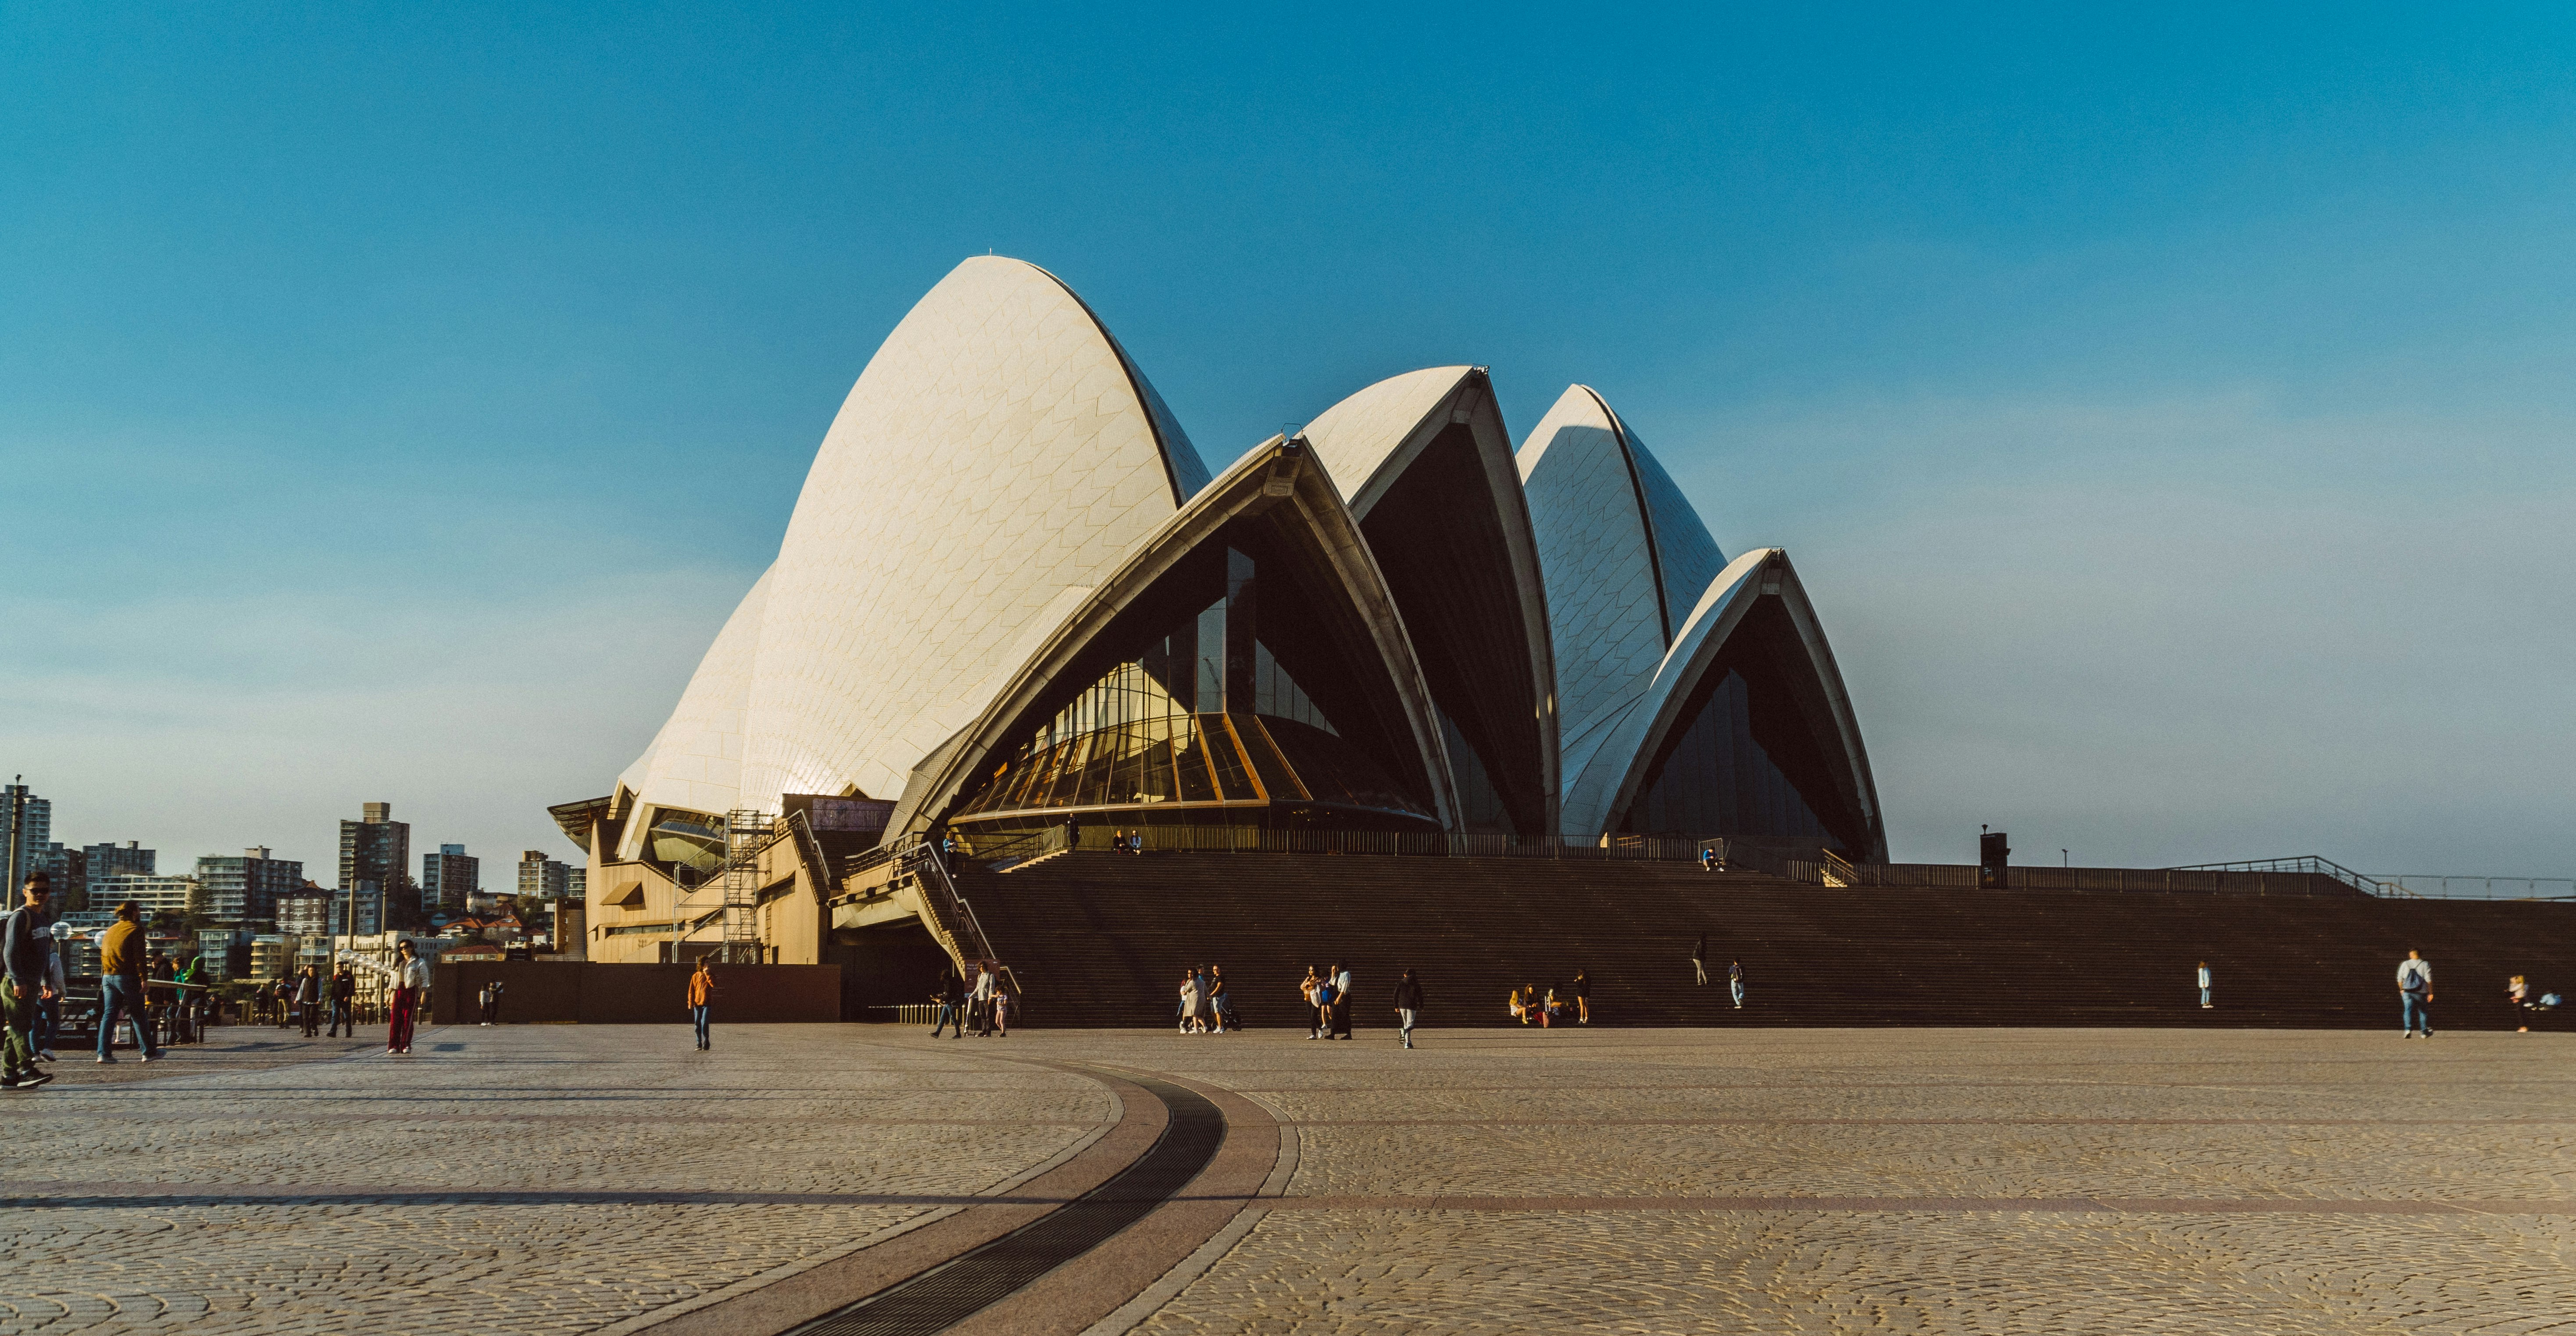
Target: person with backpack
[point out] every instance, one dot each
(26, 941)
(1408, 1006)
(2415, 994)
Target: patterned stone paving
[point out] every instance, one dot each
(520, 1179)
(553, 1178)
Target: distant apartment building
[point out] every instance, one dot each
(245, 888)
(358, 913)
(225, 953)
(156, 894)
(540, 877)
(109, 860)
(304, 911)
(26, 829)
(448, 879)
(576, 883)
(375, 859)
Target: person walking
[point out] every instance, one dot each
(344, 991)
(120, 983)
(1189, 1000)
(1341, 1001)
(492, 1001)
(1408, 1006)
(951, 998)
(1582, 998)
(2415, 994)
(1217, 999)
(979, 1004)
(308, 1000)
(2517, 995)
(702, 999)
(1001, 1013)
(2204, 985)
(1735, 982)
(26, 941)
(1311, 988)
(411, 985)
(1699, 958)
(996, 1000)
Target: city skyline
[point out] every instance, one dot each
(2106, 378)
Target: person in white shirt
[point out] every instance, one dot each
(2415, 993)
(411, 984)
(1341, 1002)
(2204, 985)
(983, 999)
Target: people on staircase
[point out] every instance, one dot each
(2204, 985)
(1735, 982)
(1699, 958)
(1582, 998)
(1408, 1006)
(1520, 1005)
(2415, 994)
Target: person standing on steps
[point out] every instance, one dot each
(1699, 958)
(1582, 998)
(120, 983)
(1341, 1001)
(2517, 995)
(1408, 1006)
(411, 984)
(2204, 985)
(702, 1001)
(1735, 982)
(2415, 994)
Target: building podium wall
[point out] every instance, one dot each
(541, 992)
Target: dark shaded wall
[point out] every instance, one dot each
(543, 992)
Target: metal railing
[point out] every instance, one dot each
(1963, 877)
(2307, 865)
(2448, 886)
(1022, 846)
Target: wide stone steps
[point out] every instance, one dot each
(1102, 938)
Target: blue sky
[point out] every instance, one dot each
(2169, 411)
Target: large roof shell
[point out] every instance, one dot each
(1383, 447)
(1606, 760)
(695, 762)
(1279, 481)
(999, 454)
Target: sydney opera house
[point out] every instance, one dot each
(1012, 594)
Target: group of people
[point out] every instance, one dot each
(1530, 1007)
(305, 997)
(1734, 971)
(983, 1006)
(1205, 1009)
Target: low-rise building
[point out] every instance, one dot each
(154, 893)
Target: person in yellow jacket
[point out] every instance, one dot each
(702, 995)
(120, 982)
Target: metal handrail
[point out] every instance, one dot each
(2309, 863)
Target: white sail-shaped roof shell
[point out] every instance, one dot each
(1605, 615)
(695, 762)
(997, 456)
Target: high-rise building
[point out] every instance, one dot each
(68, 869)
(306, 912)
(540, 877)
(156, 894)
(112, 859)
(448, 878)
(375, 856)
(359, 912)
(247, 887)
(26, 828)
(576, 883)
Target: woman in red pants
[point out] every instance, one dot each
(411, 983)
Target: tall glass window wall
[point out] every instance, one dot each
(1203, 716)
(1717, 776)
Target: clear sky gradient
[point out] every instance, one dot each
(2170, 412)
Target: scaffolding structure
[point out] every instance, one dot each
(747, 833)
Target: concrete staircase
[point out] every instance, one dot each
(1100, 938)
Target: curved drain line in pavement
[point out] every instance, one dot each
(974, 1280)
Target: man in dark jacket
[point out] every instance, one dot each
(26, 943)
(344, 992)
(951, 998)
(1408, 1005)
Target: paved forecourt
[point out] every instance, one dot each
(562, 1178)
(518, 1179)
